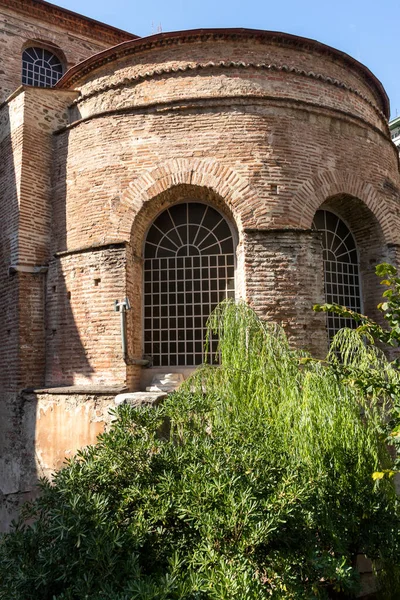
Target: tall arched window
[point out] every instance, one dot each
(341, 269)
(40, 67)
(188, 270)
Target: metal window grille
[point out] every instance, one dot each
(40, 67)
(341, 269)
(188, 270)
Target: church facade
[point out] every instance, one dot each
(158, 176)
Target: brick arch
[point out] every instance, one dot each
(46, 45)
(164, 185)
(330, 184)
(175, 195)
(233, 190)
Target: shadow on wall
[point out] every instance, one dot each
(69, 308)
(25, 452)
(16, 444)
(80, 333)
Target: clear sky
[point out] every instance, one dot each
(368, 30)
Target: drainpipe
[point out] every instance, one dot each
(122, 307)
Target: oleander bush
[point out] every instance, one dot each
(253, 481)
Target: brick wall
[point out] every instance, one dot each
(266, 146)
(72, 38)
(275, 57)
(27, 123)
(81, 182)
(83, 330)
(44, 112)
(270, 153)
(284, 279)
(11, 138)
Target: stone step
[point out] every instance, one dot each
(165, 382)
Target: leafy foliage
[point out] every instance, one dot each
(357, 357)
(261, 489)
(390, 310)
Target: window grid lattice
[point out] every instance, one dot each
(188, 270)
(341, 270)
(40, 68)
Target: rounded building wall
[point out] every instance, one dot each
(280, 157)
(264, 126)
(257, 61)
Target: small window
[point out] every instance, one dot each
(40, 67)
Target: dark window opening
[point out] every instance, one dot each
(40, 67)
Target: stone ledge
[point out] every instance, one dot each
(95, 390)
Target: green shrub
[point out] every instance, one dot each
(263, 489)
(357, 358)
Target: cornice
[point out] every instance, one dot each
(67, 19)
(112, 244)
(163, 40)
(135, 80)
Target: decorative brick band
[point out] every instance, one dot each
(137, 79)
(163, 40)
(225, 101)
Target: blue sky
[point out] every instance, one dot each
(368, 30)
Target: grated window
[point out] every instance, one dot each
(188, 270)
(40, 67)
(341, 269)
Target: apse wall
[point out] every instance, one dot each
(267, 127)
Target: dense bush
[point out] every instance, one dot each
(262, 488)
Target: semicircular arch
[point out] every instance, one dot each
(196, 179)
(330, 184)
(46, 45)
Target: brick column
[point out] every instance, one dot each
(283, 279)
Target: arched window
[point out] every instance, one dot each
(40, 67)
(341, 269)
(188, 270)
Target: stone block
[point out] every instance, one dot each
(165, 382)
(138, 399)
